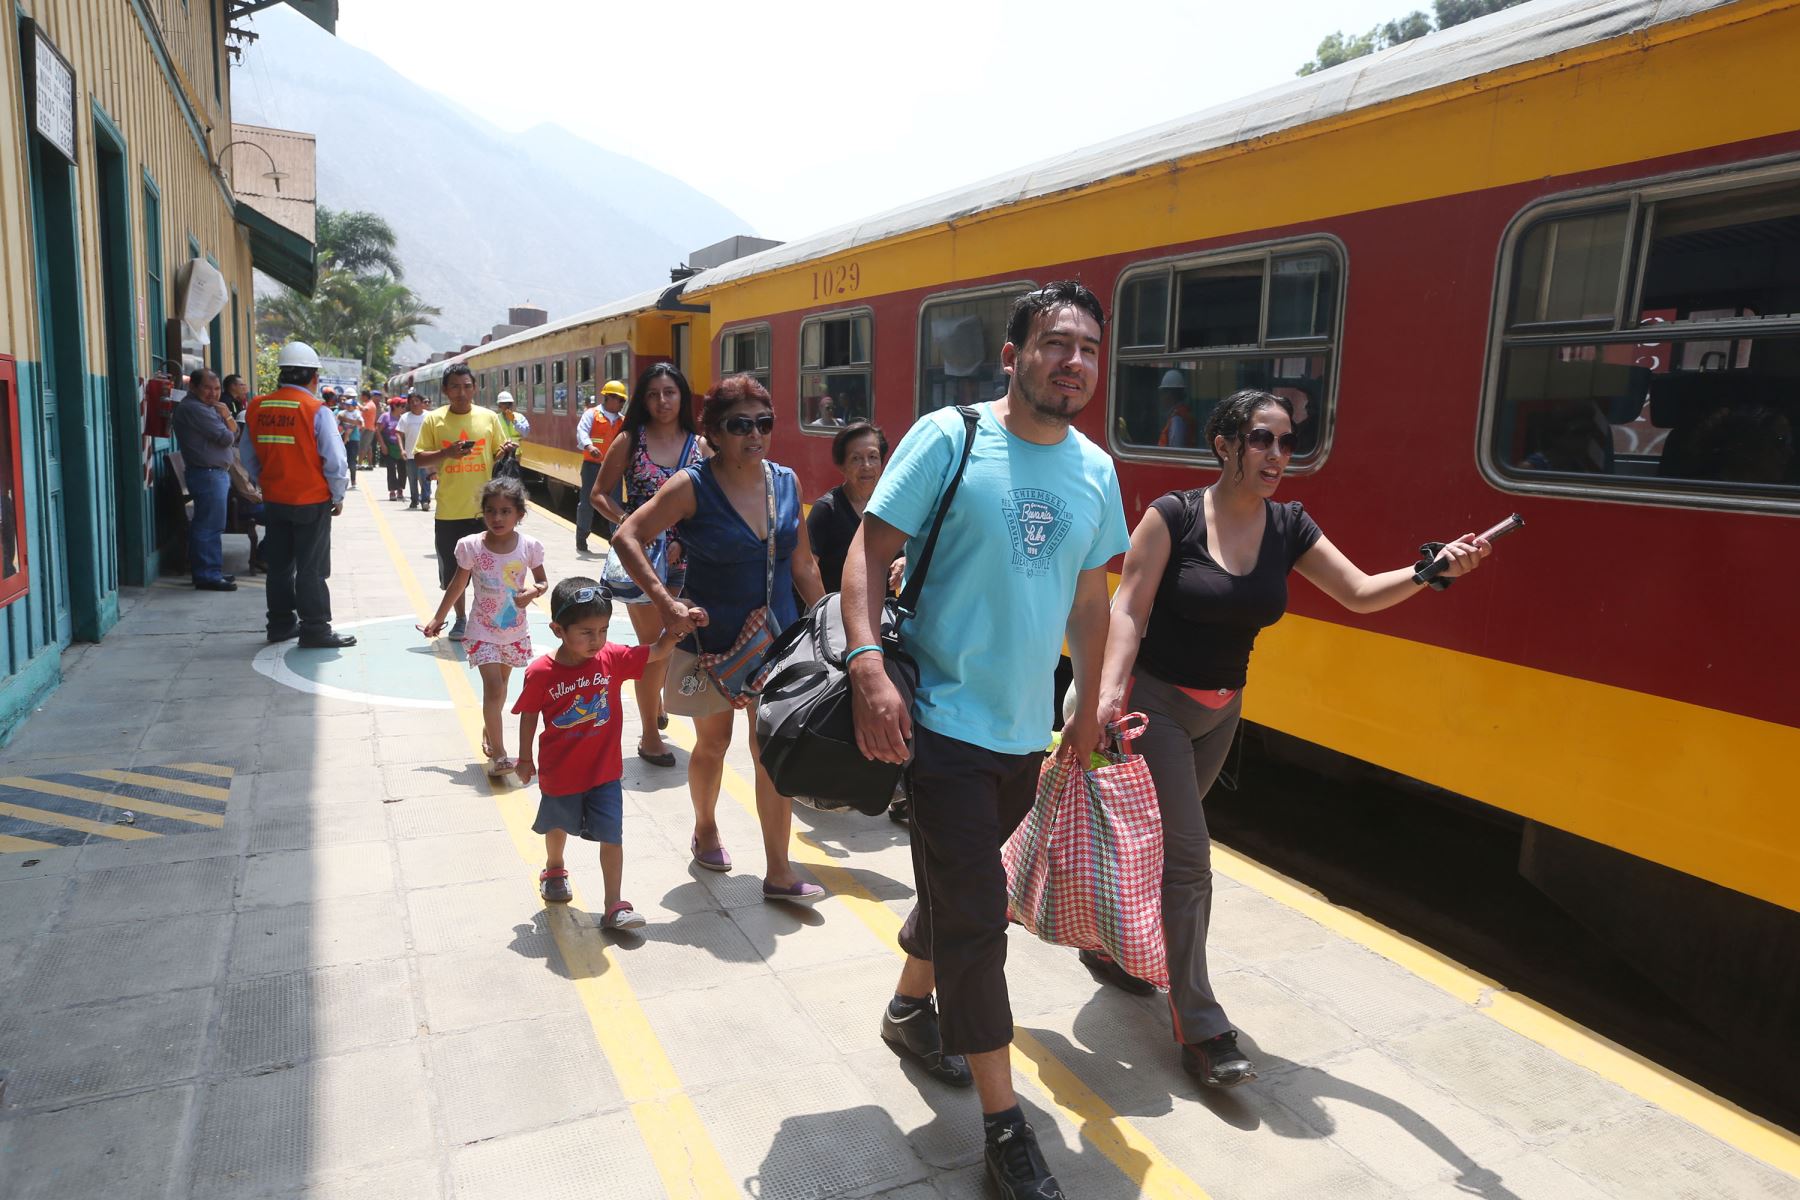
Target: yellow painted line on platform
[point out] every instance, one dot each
(213, 769)
(1742, 1130)
(50, 787)
(10, 844)
(686, 1159)
(552, 515)
(44, 816)
(200, 791)
(1126, 1147)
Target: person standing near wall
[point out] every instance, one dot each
(294, 452)
(204, 435)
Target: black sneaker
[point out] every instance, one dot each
(917, 1034)
(1217, 1062)
(1107, 971)
(1017, 1167)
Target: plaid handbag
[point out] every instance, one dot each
(1084, 869)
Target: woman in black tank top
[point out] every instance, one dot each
(1206, 571)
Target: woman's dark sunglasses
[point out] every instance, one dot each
(740, 426)
(1262, 439)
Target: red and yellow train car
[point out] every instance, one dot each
(1547, 262)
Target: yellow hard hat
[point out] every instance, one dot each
(615, 388)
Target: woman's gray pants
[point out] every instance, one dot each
(1185, 746)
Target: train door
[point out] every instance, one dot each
(678, 348)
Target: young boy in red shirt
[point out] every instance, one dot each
(576, 691)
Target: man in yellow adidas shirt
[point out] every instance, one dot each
(462, 442)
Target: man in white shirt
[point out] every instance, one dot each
(418, 479)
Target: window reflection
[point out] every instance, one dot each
(959, 349)
(836, 375)
(1263, 319)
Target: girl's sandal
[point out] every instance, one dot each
(554, 887)
(496, 767)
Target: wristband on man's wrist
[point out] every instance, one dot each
(871, 648)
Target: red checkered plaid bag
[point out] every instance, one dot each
(1085, 868)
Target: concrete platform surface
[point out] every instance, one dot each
(266, 930)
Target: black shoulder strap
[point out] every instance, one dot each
(915, 581)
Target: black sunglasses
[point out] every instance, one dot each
(740, 426)
(586, 595)
(1262, 439)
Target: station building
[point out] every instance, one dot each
(120, 165)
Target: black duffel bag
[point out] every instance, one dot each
(803, 716)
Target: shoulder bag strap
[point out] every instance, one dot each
(915, 583)
(769, 537)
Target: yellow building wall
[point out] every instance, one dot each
(118, 69)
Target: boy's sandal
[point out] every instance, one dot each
(620, 915)
(497, 767)
(554, 887)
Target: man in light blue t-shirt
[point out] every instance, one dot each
(1019, 566)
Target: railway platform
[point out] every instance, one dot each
(266, 929)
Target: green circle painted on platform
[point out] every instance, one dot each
(393, 664)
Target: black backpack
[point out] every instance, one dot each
(803, 719)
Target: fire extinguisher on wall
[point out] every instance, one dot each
(159, 406)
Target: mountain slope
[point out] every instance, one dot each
(486, 219)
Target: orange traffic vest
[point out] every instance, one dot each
(601, 433)
(287, 450)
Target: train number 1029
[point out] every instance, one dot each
(841, 280)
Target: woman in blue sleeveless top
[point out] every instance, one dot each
(720, 510)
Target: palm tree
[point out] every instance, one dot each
(361, 243)
(383, 314)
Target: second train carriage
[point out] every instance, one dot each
(552, 369)
(1547, 262)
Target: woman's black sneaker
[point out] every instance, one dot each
(914, 1031)
(1016, 1166)
(1217, 1062)
(1107, 971)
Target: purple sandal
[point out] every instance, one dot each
(798, 892)
(715, 859)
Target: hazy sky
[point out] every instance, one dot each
(803, 115)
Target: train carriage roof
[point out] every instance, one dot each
(1495, 42)
(611, 310)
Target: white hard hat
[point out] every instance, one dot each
(1173, 379)
(504, 398)
(298, 354)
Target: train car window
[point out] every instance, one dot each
(1684, 388)
(960, 338)
(618, 366)
(559, 385)
(837, 371)
(1143, 312)
(745, 351)
(537, 387)
(585, 387)
(1191, 332)
(1568, 270)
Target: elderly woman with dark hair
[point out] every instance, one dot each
(746, 549)
(859, 451)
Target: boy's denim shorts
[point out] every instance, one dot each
(595, 815)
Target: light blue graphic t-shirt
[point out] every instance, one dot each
(1026, 522)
